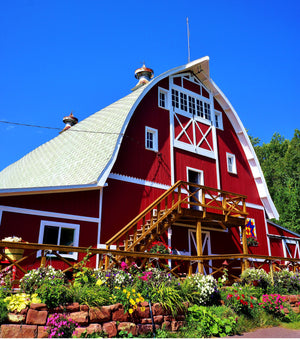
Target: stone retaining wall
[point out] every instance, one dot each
(30, 322)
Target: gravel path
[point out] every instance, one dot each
(272, 332)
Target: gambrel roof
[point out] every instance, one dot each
(83, 156)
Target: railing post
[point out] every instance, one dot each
(179, 199)
(245, 246)
(199, 244)
(106, 259)
(43, 259)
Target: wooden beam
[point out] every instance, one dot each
(245, 247)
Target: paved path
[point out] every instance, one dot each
(272, 332)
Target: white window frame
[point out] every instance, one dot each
(231, 157)
(165, 93)
(154, 133)
(60, 225)
(218, 114)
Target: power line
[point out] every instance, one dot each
(56, 128)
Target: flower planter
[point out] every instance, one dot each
(14, 253)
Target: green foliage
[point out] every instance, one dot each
(259, 277)
(286, 282)
(169, 297)
(210, 322)
(3, 311)
(91, 295)
(54, 293)
(279, 161)
(19, 301)
(241, 302)
(37, 277)
(100, 334)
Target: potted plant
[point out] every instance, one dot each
(13, 253)
(252, 242)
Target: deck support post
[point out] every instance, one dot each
(199, 244)
(43, 259)
(245, 248)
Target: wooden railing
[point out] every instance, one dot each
(169, 205)
(274, 262)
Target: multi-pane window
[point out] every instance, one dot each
(207, 111)
(175, 98)
(63, 234)
(231, 163)
(218, 119)
(162, 98)
(190, 104)
(183, 101)
(151, 139)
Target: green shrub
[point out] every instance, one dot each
(19, 301)
(208, 322)
(91, 295)
(3, 311)
(241, 300)
(257, 277)
(169, 297)
(286, 282)
(42, 275)
(54, 293)
(205, 288)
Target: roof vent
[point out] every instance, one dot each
(70, 121)
(144, 75)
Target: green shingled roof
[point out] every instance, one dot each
(76, 157)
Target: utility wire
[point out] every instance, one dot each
(56, 128)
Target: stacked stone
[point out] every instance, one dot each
(30, 323)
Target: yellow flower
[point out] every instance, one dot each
(132, 301)
(139, 295)
(99, 282)
(133, 290)
(143, 309)
(130, 311)
(137, 300)
(142, 299)
(124, 291)
(134, 307)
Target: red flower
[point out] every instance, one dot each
(238, 298)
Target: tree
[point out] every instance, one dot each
(280, 163)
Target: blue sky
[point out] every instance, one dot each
(60, 56)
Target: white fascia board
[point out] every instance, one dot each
(194, 66)
(48, 189)
(249, 152)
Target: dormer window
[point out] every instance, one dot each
(218, 119)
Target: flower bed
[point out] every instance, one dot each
(107, 319)
(117, 302)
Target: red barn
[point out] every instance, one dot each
(85, 185)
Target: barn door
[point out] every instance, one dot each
(196, 177)
(206, 248)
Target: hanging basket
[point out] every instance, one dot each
(14, 253)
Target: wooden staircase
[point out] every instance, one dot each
(183, 202)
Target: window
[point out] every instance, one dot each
(57, 233)
(218, 120)
(151, 139)
(231, 163)
(162, 98)
(191, 104)
(175, 98)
